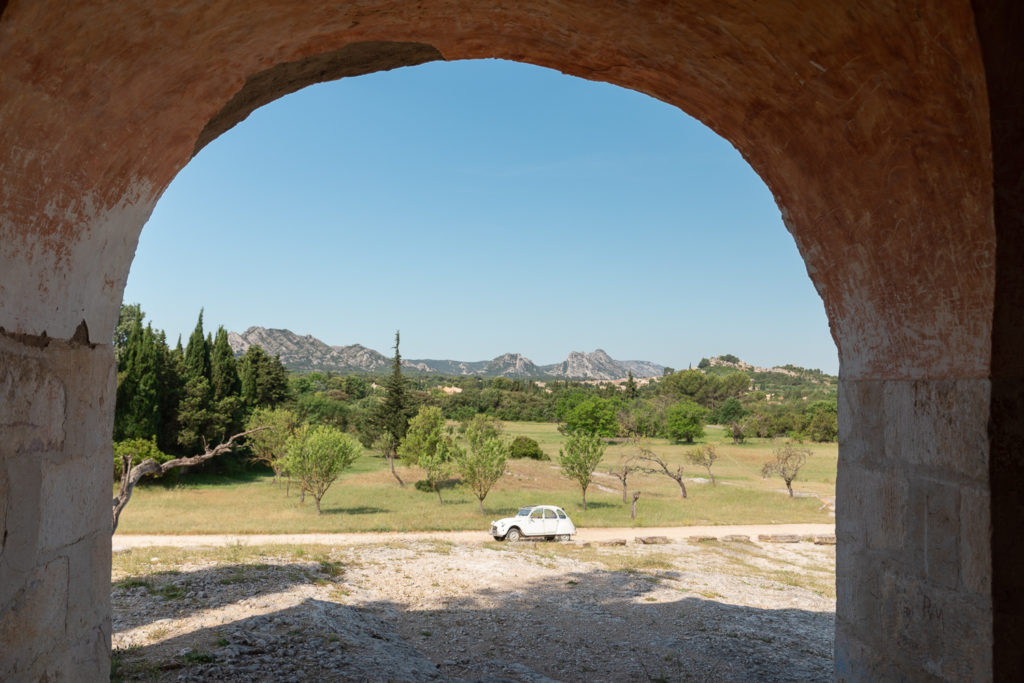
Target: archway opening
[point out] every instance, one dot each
(571, 228)
(872, 124)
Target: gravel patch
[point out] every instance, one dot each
(429, 610)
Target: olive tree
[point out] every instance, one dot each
(655, 464)
(786, 463)
(435, 464)
(580, 457)
(131, 474)
(318, 455)
(425, 432)
(268, 446)
(482, 465)
(704, 456)
(626, 467)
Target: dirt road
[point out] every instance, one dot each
(123, 542)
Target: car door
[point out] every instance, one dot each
(550, 522)
(535, 523)
(563, 524)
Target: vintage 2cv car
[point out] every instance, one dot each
(533, 521)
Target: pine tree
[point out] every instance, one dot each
(631, 390)
(126, 319)
(137, 407)
(196, 419)
(263, 379)
(197, 353)
(223, 367)
(172, 384)
(393, 413)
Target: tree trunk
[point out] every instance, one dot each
(632, 512)
(482, 511)
(391, 461)
(712, 477)
(317, 505)
(584, 499)
(682, 487)
(130, 476)
(624, 492)
(789, 486)
(438, 491)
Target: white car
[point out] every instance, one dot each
(544, 521)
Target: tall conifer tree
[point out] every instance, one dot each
(137, 407)
(195, 417)
(263, 378)
(223, 367)
(393, 413)
(171, 387)
(197, 353)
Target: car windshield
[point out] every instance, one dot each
(524, 512)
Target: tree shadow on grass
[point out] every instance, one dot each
(598, 505)
(358, 510)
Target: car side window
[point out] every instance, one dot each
(536, 514)
(561, 515)
(548, 514)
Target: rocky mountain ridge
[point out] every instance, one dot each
(305, 353)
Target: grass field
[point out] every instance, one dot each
(367, 498)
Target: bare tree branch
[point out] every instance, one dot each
(130, 476)
(627, 467)
(660, 466)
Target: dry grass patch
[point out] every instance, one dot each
(367, 498)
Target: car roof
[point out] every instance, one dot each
(554, 507)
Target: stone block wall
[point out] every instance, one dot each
(912, 511)
(56, 417)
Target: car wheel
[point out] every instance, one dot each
(513, 535)
(564, 538)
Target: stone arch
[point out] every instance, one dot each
(870, 123)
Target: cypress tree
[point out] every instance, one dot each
(223, 367)
(137, 407)
(126, 319)
(197, 353)
(171, 367)
(393, 413)
(631, 390)
(263, 378)
(195, 418)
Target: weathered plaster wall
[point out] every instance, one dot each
(1000, 25)
(912, 513)
(868, 121)
(55, 418)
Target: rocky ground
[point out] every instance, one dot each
(429, 609)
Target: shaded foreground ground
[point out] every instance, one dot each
(434, 609)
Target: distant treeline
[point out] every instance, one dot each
(180, 398)
(675, 406)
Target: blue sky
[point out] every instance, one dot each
(482, 207)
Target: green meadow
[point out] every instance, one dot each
(367, 497)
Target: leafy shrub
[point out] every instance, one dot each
(525, 447)
(139, 449)
(684, 421)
